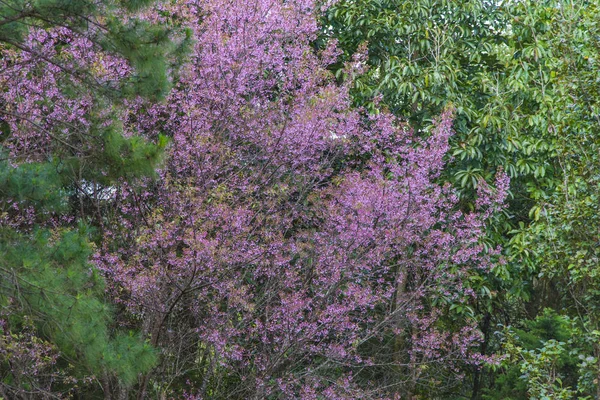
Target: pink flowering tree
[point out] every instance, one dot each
(293, 247)
(290, 246)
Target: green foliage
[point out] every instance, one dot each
(545, 360)
(47, 278)
(112, 157)
(33, 184)
(429, 54)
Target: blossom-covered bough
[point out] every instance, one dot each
(290, 232)
(291, 246)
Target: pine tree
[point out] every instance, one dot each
(66, 69)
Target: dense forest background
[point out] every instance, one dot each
(299, 199)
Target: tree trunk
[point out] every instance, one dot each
(485, 328)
